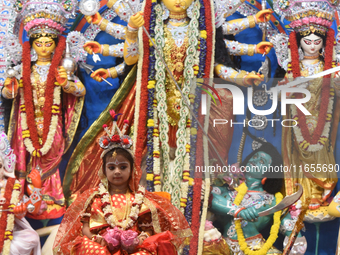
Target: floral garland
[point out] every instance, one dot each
(182, 159)
(317, 140)
(52, 128)
(29, 133)
(183, 140)
(274, 231)
(107, 208)
(7, 218)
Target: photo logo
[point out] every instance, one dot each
(239, 99)
(208, 92)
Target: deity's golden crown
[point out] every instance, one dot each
(44, 16)
(308, 16)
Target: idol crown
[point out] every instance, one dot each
(308, 16)
(44, 16)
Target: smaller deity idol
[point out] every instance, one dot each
(260, 191)
(311, 142)
(48, 101)
(119, 216)
(16, 234)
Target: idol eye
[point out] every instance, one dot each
(317, 42)
(38, 44)
(307, 42)
(48, 44)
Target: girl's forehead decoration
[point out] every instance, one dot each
(117, 162)
(114, 155)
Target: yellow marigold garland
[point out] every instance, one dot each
(274, 231)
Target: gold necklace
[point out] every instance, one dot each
(311, 57)
(178, 16)
(174, 57)
(44, 59)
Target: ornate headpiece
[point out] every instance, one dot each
(308, 16)
(115, 138)
(7, 155)
(44, 16)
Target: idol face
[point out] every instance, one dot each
(177, 6)
(311, 45)
(44, 46)
(259, 162)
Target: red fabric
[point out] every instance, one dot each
(156, 244)
(160, 243)
(143, 110)
(171, 221)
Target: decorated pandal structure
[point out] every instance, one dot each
(125, 127)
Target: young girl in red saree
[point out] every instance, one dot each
(119, 216)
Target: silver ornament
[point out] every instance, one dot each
(259, 122)
(89, 7)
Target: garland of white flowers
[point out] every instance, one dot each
(107, 208)
(52, 129)
(10, 218)
(156, 152)
(182, 160)
(303, 144)
(161, 100)
(172, 186)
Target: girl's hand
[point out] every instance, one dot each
(142, 238)
(100, 240)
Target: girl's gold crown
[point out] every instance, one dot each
(115, 138)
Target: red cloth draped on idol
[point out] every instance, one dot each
(120, 216)
(311, 50)
(48, 100)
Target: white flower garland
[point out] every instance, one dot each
(111, 219)
(156, 152)
(52, 129)
(10, 219)
(183, 140)
(163, 125)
